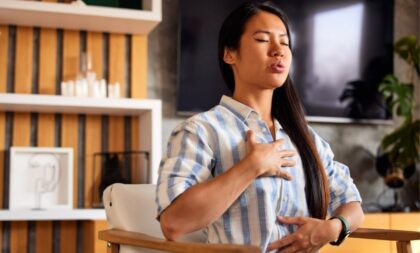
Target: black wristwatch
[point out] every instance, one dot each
(345, 231)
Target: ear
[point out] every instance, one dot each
(229, 56)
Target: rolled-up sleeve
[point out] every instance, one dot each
(188, 161)
(341, 185)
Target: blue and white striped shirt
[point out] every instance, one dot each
(211, 142)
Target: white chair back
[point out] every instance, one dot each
(132, 207)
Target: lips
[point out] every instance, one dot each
(277, 68)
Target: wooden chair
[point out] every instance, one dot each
(131, 213)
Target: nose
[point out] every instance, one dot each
(276, 50)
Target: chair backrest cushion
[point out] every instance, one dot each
(132, 207)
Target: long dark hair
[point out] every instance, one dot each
(286, 106)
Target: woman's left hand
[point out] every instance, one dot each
(311, 235)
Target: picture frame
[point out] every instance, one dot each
(41, 178)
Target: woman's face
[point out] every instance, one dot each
(264, 57)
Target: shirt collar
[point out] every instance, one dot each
(243, 111)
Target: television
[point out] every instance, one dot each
(341, 52)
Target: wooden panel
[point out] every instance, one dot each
(44, 236)
(68, 237)
(100, 246)
(139, 66)
(47, 61)
(4, 36)
(93, 125)
(2, 153)
(71, 55)
(95, 245)
(116, 74)
(138, 90)
(406, 221)
(69, 134)
(89, 230)
(46, 122)
(23, 63)
(22, 121)
(18, 236)
(135, 145)
(93, 144)
(352, 245)
(116, 133)
(94, 49)
(117, 64)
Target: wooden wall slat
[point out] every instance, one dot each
(47, 61)
(22, 121)
(23, 63)
(117, 61)
(139, 66)
(93, 123)
(71, 49)
(19, 236)
(71, 54)
(99, 245)
(4, 39)
(93, 145)
(68, 236)
(116, 74)
(117, 65)
(135, 145)
(94, 49)
(46, 121)
(43, 233)
(4, 44)
(138, 90)
(69, 134)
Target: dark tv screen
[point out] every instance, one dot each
(341, 51)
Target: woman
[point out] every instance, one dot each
(250, 170)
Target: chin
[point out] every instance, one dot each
(278, 83)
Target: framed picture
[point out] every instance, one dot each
(41, 178)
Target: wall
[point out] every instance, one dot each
(353, 144)
(35, 60)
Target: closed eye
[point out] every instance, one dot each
(261, 40)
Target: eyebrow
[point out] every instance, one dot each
(267, 32)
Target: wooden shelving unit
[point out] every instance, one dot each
(149, 112)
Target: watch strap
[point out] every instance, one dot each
(345, 231)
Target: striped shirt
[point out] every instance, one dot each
(211, 142)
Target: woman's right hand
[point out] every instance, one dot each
(269, 158)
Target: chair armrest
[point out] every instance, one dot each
(146, 241)
(385, 234)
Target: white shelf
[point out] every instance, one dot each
(59, 214)
(76, 105)
(149, 112)
(91, 18)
